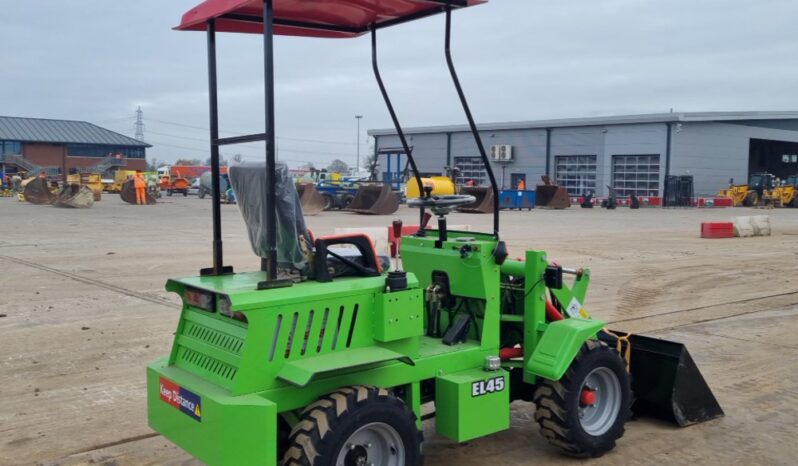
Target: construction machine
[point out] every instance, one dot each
(783, 193)
(736, 192)
(327, 355)
(756, 192)
(92, 181)
(171, 185)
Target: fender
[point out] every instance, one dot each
(559, 345)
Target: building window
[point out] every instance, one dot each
(98, 150)
(10, 148)
(576, 173)
(635, 175)
(470, 169)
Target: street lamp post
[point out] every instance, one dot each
(357, 163)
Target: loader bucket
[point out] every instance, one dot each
(37, 191)
(75, 196)
(666, 382)
(309, 198)
(128, 193)
(374, 200)
(484, 200)
(551, 197)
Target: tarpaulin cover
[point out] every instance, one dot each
(250, 182)
(310, 18)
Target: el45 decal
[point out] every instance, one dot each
(484, 387)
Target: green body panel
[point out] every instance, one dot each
(472, 403)
(474, 276)
(246, 357)
(301, 372)
(399, 315)
(559, 346)
(233, 430)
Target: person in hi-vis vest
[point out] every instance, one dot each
(141, 188)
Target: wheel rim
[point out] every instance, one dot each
(375, 444)
(599, 401)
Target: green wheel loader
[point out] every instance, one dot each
(325, 357)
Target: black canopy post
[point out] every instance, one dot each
(471, 123)
(213, 102)
(399, 131)
(271, 169)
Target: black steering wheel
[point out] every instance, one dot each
(442, 205)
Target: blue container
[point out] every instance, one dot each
(514, 199)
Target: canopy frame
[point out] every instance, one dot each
(268, 21)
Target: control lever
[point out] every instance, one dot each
(397, 233)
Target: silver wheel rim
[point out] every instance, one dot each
(375, 444)
(598, 418)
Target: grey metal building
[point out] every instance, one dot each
(632, 153)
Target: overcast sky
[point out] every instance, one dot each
(97, 60)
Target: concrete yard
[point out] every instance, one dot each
(83, 310)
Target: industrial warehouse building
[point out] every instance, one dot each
(34, 144)
(631, 153)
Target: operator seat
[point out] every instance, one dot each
(298, 252)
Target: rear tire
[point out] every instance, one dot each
(751, 199)
(567, 420)
(356, 425)
(346, 200)
(329, 201)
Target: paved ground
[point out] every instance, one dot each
(83, 310)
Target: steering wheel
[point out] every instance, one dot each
(442, 205)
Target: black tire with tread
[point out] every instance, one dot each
(751, 199)
(325, 425)
(329, 202)
(557, 404)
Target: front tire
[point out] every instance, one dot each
(354, 426)
(584, 413)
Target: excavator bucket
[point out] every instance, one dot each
(128, 193)
(310, 199)
(374, 199)
(666, 381)
(483, 203)
(37, 191)
(75, 196)
(550, 196)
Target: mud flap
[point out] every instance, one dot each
(666, 381)
(374, 200)
(309, 198)
(483, 203)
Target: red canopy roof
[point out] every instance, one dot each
(312, 18)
